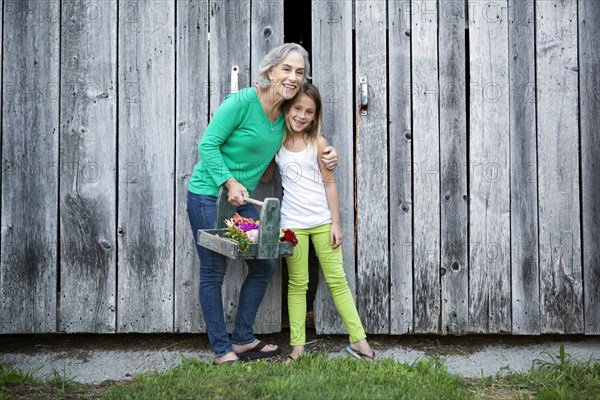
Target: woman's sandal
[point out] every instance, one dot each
(256, 352)
(359, 355)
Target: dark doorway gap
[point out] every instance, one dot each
(297, 28)
(297, 23)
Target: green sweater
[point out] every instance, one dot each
(239, 142)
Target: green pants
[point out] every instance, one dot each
(333, 270)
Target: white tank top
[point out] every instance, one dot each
(304, 203)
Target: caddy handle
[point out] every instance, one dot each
(255, 202)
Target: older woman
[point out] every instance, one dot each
(239, 143)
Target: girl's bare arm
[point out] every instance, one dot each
(335, 235)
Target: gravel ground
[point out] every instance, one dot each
(100, 358)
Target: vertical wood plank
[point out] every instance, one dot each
(372, 225)
(266, 32)
(489, 183)
(426, 166)
(88, 152)
(146, 166)
(561, 293)
(229, 46)
(400, 159)
(523, 172)
(453, 154)
(192, 118)
(589, 31)
(30, 123)
(332, 45)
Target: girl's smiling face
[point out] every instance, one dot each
(301, 113)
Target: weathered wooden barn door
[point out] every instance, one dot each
(474, 191)
(234, 36)
(489, 190)
(523, 172)
(468, 177)
(589, 47)
(333, 73)
(401, 166)
(452, 21)
(425, 171)
(88, 150)
(557, 57)
(146, 73)
(192, 93)
(266, 32)
(372, 246)
(30, 145)
(241, 34)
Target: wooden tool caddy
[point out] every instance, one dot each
(267, 245)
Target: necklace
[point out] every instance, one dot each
(272, 119)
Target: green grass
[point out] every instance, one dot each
(315, 376)
(16, 383)
(560, 378)
(312, 377)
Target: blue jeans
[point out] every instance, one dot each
(201, 212)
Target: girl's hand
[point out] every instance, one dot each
(237, 193)
(335, 235)
(330, 157)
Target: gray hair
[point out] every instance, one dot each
(275, 57)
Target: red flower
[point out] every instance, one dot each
(290, 237)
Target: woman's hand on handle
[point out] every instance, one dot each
(236, 192)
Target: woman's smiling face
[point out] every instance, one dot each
(288, 76)
(301, 113)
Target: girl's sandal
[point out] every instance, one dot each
(359, 355)
(289, 359)
(225, 362)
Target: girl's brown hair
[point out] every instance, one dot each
(313, 131)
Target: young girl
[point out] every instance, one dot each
(310, 208)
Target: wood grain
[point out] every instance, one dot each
(30, 130)
(146, 166)
(426, 168)
(372, 246)
(191, 120)
(266, 32)
(561, 292)
(88, 152)
(523, 171)
(332, 45)
(453, 171)
(400, 164)
(589, 31)
(489, 183)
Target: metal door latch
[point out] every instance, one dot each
(235, 71)
(364, 95)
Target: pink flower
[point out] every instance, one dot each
(252, 234)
